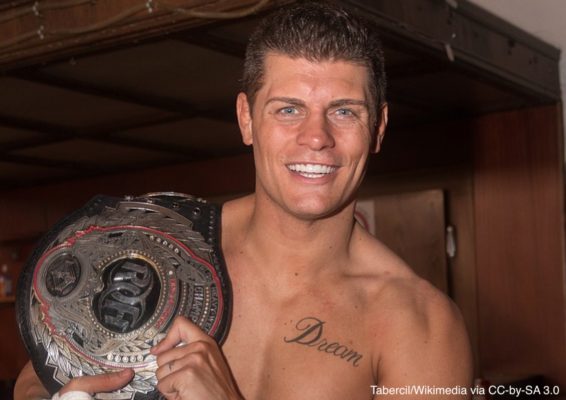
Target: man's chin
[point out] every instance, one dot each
(311, 212)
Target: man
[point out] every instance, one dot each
(321, 309)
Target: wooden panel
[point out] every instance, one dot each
(13, 355)
(21, 217)
(413, 226)
(26, 213)
(519, 244)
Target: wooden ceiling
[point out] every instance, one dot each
(169, 98)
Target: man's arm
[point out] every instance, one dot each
(427, 349)
(28, 386)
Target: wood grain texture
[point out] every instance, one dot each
(518, 196)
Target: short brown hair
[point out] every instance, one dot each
(316, 31)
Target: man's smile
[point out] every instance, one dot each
(312, 170)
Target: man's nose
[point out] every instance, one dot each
(316, 133)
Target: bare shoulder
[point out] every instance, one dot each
(418, 332)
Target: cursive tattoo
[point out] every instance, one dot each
(310, 334)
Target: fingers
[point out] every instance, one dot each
(196, 368)
(187, 375)
(99, 383)
(182, 331)
(199, 374)
(196, 354)
(172, 374)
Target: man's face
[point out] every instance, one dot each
(310, 133)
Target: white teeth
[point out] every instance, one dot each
(312, 170)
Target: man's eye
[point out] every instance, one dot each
(344, 112)
(288, 111)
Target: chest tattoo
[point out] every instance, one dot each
(310, 334)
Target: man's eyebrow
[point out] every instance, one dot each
(289, 100)
(349, 102)
(334, 103)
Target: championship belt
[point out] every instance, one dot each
(104, 285)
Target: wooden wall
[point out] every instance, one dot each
(519, 235)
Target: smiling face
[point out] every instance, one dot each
(311, 134)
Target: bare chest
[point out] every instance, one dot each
(310, 347)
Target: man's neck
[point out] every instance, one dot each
(278, 240)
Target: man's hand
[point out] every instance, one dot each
(29, 387)
(99, 383)
(191, 365)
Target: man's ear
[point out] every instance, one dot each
(380, 128)
(244, 113)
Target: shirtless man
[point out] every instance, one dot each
(321, 309)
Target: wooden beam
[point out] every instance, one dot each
(53, 130)
(471, 39)
(47, 33)
(216, 43)
(183, 108)
(61, 164)
(57, 134)
(411, 70)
